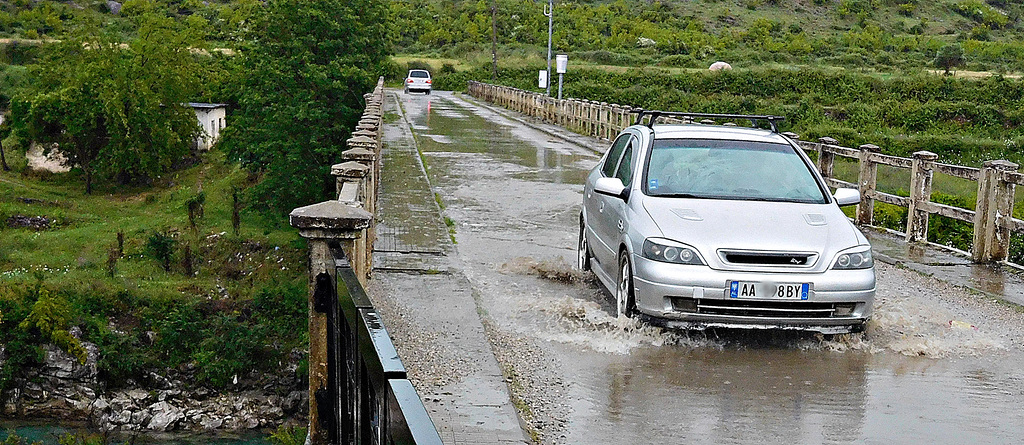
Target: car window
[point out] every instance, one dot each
(625, 170)
(721, 169)
(610, 162)
(419, 74)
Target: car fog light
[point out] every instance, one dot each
(843, 310)
(684, 304)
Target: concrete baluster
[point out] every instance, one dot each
(323, 224)
(826, 159)
(866, 181)
(921, 171)
(995, 202)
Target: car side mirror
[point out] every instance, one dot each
(847, 197)
(610, 187)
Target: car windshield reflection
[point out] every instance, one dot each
(725, 169)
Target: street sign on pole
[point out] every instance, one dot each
(561, 63)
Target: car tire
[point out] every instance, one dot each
(583, 249)
(625, 297)
(428, 92)
(406, 91)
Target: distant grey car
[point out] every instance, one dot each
(699, 226)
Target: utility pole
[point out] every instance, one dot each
(494, 42)
(549, 11)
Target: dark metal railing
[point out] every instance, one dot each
(369, 398)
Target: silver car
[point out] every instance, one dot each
(698, 226)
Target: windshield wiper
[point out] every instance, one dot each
(681, 195)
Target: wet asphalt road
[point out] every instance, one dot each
(938, 364)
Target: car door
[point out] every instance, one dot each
(616, 209)
(604, 216)
(595, 204)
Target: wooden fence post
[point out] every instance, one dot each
(920, 193)
(995, 201)
(866, 182)
(826, 159)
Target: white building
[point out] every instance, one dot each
(211, 118)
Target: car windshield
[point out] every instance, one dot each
(419, 74)
(722, 169)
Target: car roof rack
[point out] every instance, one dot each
(754, 118)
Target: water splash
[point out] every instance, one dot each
(555, 269)
(587, 323)
(901, 324)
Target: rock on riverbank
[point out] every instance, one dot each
(64, 389)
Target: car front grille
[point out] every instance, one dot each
(792, 259)
(751, 308)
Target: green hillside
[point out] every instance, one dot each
(900, 34)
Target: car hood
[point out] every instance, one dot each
(714, 226)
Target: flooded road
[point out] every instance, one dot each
(937, 364)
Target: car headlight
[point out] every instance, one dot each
(670, 252)
(857, 259)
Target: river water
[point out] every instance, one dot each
(49, 433)
(938, 364)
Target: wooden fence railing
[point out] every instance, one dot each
(992, 217)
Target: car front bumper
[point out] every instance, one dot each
(697, 297)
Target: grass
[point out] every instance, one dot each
(245, 283)
(451, 228)
(86, 226)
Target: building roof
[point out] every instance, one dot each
(206, 106)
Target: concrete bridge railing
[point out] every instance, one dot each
(996, 180)
(358, 388)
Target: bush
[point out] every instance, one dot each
(949, 57)
(160, 246)
(418, 65)
(679, 60)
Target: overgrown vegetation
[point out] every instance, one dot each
(848, 33)
(180, 265)
(965, 121)
(307, 65)
(118, 110)
(242, 310)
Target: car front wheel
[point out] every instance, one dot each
(583, 250)
(625, 300)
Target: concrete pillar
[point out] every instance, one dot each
(921, 169)
(995, 201)
(866, 181)
(322, 224)
(826, 159)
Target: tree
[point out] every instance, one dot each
(301, 83)
(113, 108)
(950, 56)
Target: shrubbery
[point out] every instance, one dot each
(220, 338)
(965, 121)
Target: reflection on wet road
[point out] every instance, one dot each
(936, 365)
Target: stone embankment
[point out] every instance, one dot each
(62, 388)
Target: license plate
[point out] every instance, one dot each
(786, 291)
